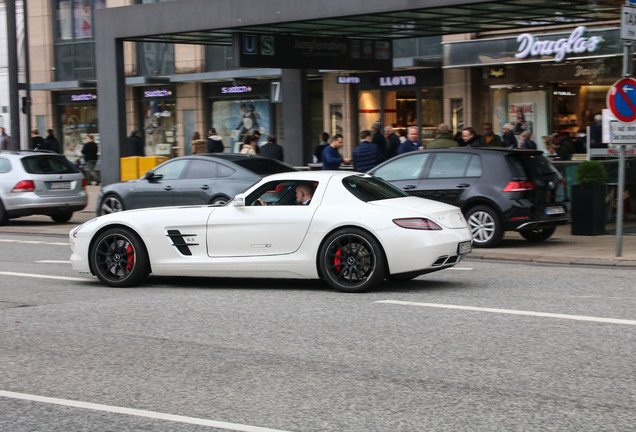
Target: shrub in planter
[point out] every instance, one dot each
(588, 199)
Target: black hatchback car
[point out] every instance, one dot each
(497, 189)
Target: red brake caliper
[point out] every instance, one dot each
(131, 257)
(337, 261)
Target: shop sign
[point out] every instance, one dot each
(237, 89)
(529, 45)
(157, 93)
(347, 80)
(402, 80)
(83, 97)
(628, 23)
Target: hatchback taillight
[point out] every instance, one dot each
(519, 186)
(24, 186)
(84, 183)
(417, 223)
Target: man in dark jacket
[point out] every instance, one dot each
(136, 144)
(411, 143)
(379, 140)
(509, 138)
(50, 142)
(37, 142)
(392, 142)
(272, 149)
(366, 155)
(215, 142)
(89, 151)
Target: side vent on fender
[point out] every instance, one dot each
(179, 242)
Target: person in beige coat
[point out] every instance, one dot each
(197, 144)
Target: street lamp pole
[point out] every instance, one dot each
(14, 94)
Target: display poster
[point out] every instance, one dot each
(77, 123)
(160, 126)
(527, 112)
(235, 119)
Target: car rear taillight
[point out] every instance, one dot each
(519, 186)
(417, 223)
(24, 186)
(84, 183)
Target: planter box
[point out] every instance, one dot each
(588, 210)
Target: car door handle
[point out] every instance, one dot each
(409, 187)
(463, 185)
(168, 188)
(205, 187)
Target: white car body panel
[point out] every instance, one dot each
(280, 241)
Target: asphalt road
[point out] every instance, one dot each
(483, 347)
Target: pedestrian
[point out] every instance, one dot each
(443, 139)
(249, 145)
(215, 142)
(5, 144)
(565, 148)
(379, 140)
(331, 157)
(257, 139)
(50, 142)
(272, 149)
(402, 135)
(526, 141)
(89, 151)
(136, 145)
(596, 132)
(411, 143)
(392, 142)
(509, 138)
(470, 138)
(37, 142)
(490, 138)
(197, 144)
(324, 142)
(366, 155)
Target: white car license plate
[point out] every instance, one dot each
(464, 247)
(59, 185)
(554, 210)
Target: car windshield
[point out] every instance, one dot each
(48, 165)
(264, 166)
(371, 188)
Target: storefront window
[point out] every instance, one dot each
(75, 18)
(233, 119)
(78, 118)
(335, 119)
(159, 119)
(368, 108)
(431, 111)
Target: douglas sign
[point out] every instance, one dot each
(574, 44)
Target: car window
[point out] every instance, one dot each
(535, 167)
(224, 171)
(48, 165)
(405, 168)
(474, 167)
(5, 165)
(201, 169)
(171, 170)
(371, 188)
(449, 165)
(276, 193)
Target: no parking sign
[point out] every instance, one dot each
(621, 100)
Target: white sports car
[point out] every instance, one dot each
(354, 232)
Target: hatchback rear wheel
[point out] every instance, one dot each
(537, 235)
(485, 225)
(4, 218)
(62, 217)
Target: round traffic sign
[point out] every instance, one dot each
(621, 100)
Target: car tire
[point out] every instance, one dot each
(485, 226)
(351, 260)
(111, 203)
(4, 218)
(118, 257)
(538, 235)
(62, 217)
(220, 200)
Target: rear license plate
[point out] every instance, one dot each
(59, 185)
(464, 247)
(554, 210)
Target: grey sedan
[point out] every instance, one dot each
(189, 180)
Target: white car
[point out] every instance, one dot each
(356, 231)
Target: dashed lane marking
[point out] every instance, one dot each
(513, 312)
(41, 276)
(53, 262)
(136, 412)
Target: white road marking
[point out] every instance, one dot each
(136, 412)
(41, 276)
(34, 242)
(461, 268)
(514, 312)
(54, 261)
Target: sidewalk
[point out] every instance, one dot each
(561, 248)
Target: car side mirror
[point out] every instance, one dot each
(239, 201)
(151, 176)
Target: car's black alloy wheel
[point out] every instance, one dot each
(111, 204)
(119, 258)
(538, 234)
(3, 215)
(351, 260)
(62, 217)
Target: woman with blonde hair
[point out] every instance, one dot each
(197, 144)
